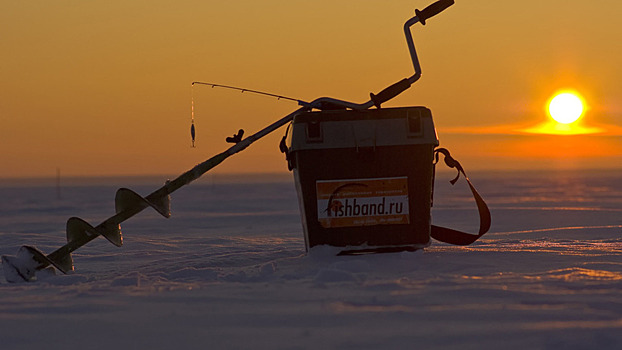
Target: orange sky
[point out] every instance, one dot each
(103, 87)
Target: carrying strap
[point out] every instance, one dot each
(452, 236)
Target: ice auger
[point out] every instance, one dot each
(29, 260)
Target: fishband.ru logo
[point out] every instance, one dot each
(362, 202)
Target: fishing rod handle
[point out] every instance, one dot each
(433, 10)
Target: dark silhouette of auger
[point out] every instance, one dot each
(127, 204)
(29, 260)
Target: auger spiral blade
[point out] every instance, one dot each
(23, 266)
(28, 260)
(80, 230)
(127, 198)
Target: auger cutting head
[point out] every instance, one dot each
(23, 266)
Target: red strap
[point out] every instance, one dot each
(456, 237)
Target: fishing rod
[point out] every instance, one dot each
(236, 137)
(243, 90)
(23, 266)
(331, 103)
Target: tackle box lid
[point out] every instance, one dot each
(366, 128)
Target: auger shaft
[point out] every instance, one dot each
(113, 222)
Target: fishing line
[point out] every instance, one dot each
(192, 129)
(236, 137)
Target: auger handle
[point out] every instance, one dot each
(433, 10)
(390, 92)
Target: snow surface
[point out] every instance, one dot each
(229, 271)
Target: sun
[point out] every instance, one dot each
(566, 107)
